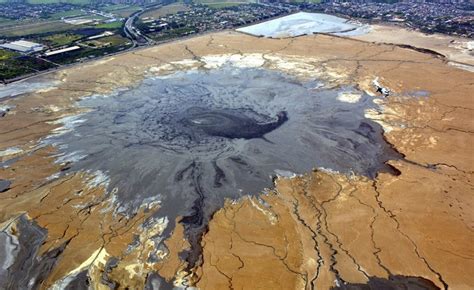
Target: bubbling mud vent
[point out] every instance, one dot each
(191, 139)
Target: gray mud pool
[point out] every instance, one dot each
(192, 139)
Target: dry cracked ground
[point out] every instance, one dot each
(412, 228)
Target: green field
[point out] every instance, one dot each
(173, 33)
(115, 7)
(309, 1)
(61, 39)
(14, 67)
(6, 54)
(220, 5)
(165, 10)
(39, 28)
(79, 2)
(34, 28)
(7, 22)
(113, 40)
(223, 3)
(126, 11)
(91, 52)
(66, 14)
(110, 25)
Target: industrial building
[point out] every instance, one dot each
(71, 48)
(23, 46)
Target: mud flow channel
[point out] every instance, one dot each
(194, 138)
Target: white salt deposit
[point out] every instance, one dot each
(18, 88)
(302, 23)
(10, 151)
(348, 97)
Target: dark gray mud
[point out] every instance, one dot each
(20, 265)
(4, 185)
(194, 138)
(394, 282)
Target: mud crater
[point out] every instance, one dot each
(194, 138)
(203, 130)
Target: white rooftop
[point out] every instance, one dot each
(25, 43)
(23, 46)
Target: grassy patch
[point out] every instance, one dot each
(110, 25)
(126, 12)
(4, 20)
(79, 2)
(234, 2)
(61, 39)
(165, 10)
(18, 66)
(7, 22)
(6, 54)
(115, 7)
(113, 40)
(66, 14)
(223, 4)
(178, 32)
(88, 52)
(309, 1)
(35, 28)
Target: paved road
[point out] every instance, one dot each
(138, 39)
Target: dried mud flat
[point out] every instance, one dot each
(458, 50)
(67, 226)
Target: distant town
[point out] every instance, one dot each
(40, 37)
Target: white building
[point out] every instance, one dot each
(23, 46)
(71, 48)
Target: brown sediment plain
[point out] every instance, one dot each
(457, 49)
(320, 230)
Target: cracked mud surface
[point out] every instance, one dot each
(322, 229)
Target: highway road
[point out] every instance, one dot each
(133, 33)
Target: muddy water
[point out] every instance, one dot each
(193, 138)
(19, 244)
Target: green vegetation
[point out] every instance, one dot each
(174, 33)
(46, 27)
(221, 5)
(93, 17)
(65, 14)
(221, 2)
(78, 2)
(7, 54)
(387, 1)
(165, 10)
(115, 7)
(96, 48)
(61, 39)
(127, 11)
(113, 40)
(307, 1)
(16, 66)
(110, 25)
(35, 28)
(6, 22)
